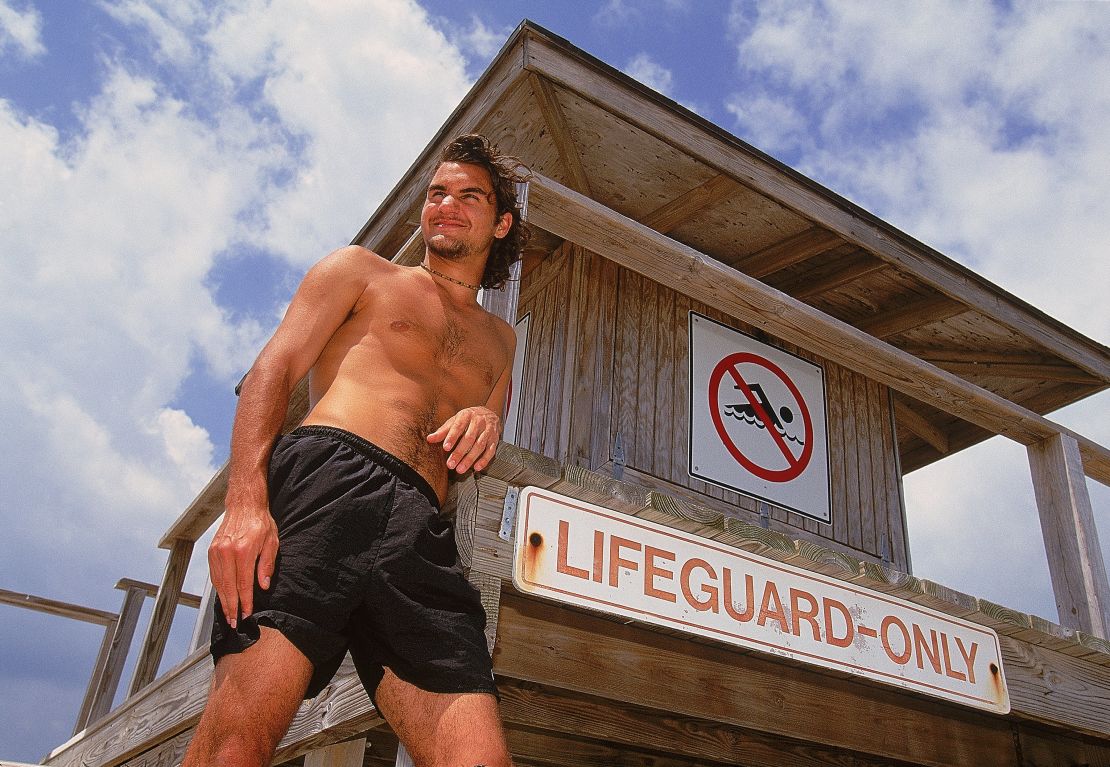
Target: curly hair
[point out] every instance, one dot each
(505, 171)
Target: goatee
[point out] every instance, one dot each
(448, 249)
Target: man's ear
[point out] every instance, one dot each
(504, 224)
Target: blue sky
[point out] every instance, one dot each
(173, 166)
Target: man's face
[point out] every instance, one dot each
(460, 218)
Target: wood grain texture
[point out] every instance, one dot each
(912, 419)
(741, 162)
(672, 213)
(1075, 561)
(161, 618)
(346, 754)
(55, 607)
(556, 122)
(558, 647)
(581, 220)
(794, 250)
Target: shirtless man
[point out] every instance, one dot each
(332, 538)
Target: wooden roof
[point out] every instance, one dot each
(577, 120)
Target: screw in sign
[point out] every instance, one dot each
(769, 454)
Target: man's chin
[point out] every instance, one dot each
(445, 248)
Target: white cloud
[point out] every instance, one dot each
(617, 13)
(20, 31)
(482, 42)
(980, 130)
(649, 72)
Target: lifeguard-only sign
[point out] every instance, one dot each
(757, 419)
(581, 554)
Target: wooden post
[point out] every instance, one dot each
(165, 604)
(503, 302)
(202, 630)
(1070, 538)
(348, 754)
(106, 676)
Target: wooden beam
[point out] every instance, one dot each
(620, 725)
(170, 707)
(54, 607)
(911, 314)
(1070, 536)
(558, 647)
(913, 420)
(793, 250)
(185, 599)
(859, 265)
(606, 232)
(556, 121)
(108, 672)
(161, 619)
(1025, 371)
(670, 214)
(807, 198)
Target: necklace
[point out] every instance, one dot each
(427, 268)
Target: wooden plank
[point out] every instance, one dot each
(893, 486)
(860, 456)
(161, 619)
(586, 654)
(835, 421)
(90, 699)
(55, 607)
(916, 422)
(535, 706)
(581, 220)
(1037, 372)
(858, 266)
(627, 362)
(642, 457)
(1050, 687)
(106, 677)
(670, 214)
(1070, 536)
(579, 407)
(809, 199)
(849, 381)
(185, 599)
(559, 130)
(347, 754)
(557, 383)
(577, 295)
(880, 469)
(910, 314)
(667, 367)
(793, 250)
(608, 300)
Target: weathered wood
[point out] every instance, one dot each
(924, 310)
(106, 677)
(161, 619)
(621, 725)
(90, 699)
(910, 418)
(858, 266)
(55, 607)
(1039, 372)
(202, 629)
(558, 647)
(503, 303)
(745, 164)
(1070, 537)
(581, 220)
(793, 250)
(560, 133)
(185, 599)
(346, 754)
(670, 214)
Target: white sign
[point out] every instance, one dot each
(580, 554)
(512, 398)
(757, 419)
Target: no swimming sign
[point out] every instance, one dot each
(757, 419)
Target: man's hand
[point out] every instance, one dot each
(470, 437)
(245, 543)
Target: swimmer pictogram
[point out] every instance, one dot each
(754, 408)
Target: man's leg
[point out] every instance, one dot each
(444, 730)
(254, 696)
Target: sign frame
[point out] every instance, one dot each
(748, 491)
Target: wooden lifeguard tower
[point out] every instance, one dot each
(688, 301)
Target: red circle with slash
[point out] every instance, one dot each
(730, 366)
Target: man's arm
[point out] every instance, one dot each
(246, 541)
(471, 435)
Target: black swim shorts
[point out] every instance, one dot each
(366, 563)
